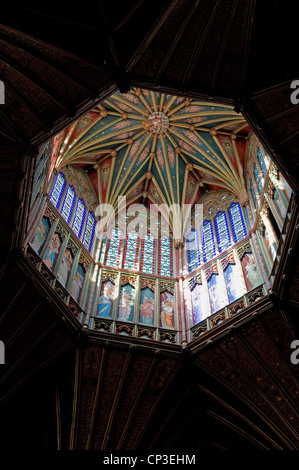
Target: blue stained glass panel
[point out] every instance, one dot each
(193, 250)
(208, 242)
(131, 251)
(68, 203)
(57, 190)
(165, 257)
(237, 222)
(148, 255)
(114, 248)
(89, 231)
(79, 218)
(222, 232)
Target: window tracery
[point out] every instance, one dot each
(62, 191)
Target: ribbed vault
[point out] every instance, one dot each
(158, 148)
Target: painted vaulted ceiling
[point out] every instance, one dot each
(157, 148)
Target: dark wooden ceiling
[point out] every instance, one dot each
(56, 60)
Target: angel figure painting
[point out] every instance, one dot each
(167, 309)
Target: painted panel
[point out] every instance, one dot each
(106, 300)
(147, 307)
(233, 284)
(65, 267)
(53, 251)
(41, 235)
(280, 205)
(215, 293)
(126, 303)
(198, 313)
(252, 277)
(167, 309)
(78, 282)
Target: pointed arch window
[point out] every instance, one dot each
(131, 251)
(193, 250)
(148, 255)
(237, 222)
(68, 203)
(89, 231)
(114, 248)
(208, 242)
(79, 218)
(58, 189)
(165, 257)
(222, 231)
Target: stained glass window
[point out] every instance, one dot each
(79, 218)
(89, 231)
(252, 191)
(165, 257)
(208, 242)
(57, 190)
(258, 180)
(261, 160)
(237, 222)
(68, 203)
(193, 250)
(222, 231)
(114, 248)
(131, 251)
(148, 255)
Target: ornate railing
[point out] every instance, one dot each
(227, 312)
